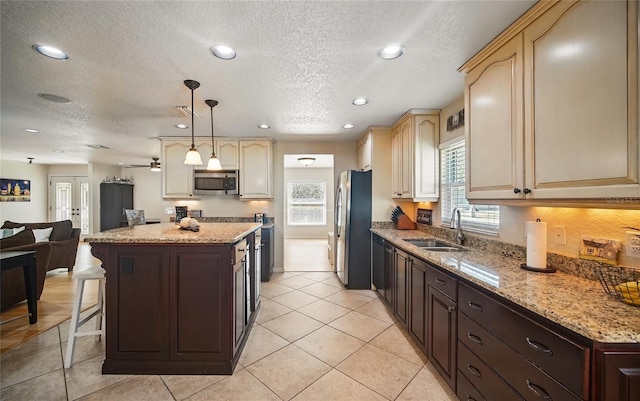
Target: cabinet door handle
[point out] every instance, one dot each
(537, 390)
(451, 309)
(441, 281)
(527, 191)
(474, 338)
(474, 305)
(539, 347)
(474, 371)
(516, 190)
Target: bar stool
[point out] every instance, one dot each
(77, 320)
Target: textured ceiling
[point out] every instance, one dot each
(299, 66)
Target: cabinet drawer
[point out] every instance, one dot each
(485, 380)
(466, 391)
(443, 283)
(562, 358)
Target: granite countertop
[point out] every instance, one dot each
(576, 303)
(168, 233)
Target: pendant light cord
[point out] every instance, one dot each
(193, 140)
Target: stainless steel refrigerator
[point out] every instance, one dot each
(352, 229)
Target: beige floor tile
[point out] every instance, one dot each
(288, 371)
(360, 326)
(377, 309)
(48, 387)
(16, 367)
(183, 386)
(86, 348)
(270, 310)
(296, 282)
(261, 342)
(336, 386)
(348, 299)
(295, 299)
(365, 293)
(384, 373)
(45, 339)
(86, 377)
(318, 276)
(324, 311)
(273, 289)
(140, 388)
(329, 345)
(427, 385)
(242, 386)
(292, 326)
(334, 281)
(394, 341)
(320, 290)
(275, 277)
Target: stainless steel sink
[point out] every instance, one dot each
(434, 245)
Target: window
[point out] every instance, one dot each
(479, 218)
(306, 203)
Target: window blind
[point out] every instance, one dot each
(479, 218)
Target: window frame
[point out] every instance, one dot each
(289, 204)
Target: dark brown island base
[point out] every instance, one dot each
(177, 301)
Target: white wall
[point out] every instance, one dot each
(34, 211)
(310, 174)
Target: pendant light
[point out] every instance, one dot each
(193, 157)
(214, 163)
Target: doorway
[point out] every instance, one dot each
(69, 200)
(308, 212)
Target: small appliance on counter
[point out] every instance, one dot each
(260, 218)
(181, 212)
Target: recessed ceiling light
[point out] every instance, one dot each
(391, 52)
(222, 51)
(57, 151)
(360, 101)
(182, 126)
(50, 51)
(348, 126)
(264, 126)
(33, 131)
(53, 98)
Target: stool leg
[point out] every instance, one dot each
(101, 304)
(75, 317)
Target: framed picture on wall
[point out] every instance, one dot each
(13, 190)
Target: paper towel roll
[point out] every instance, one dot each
(536, 244)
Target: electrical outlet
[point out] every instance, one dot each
(632, 244)
(169, 210)
(559, 235)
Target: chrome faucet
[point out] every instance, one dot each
(460, 235)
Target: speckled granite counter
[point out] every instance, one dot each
(210, 233)
(576, 303)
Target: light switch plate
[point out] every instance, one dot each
(559, 235)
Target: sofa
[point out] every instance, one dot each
(56, 251)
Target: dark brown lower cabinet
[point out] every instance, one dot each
(401, 281)
(389, 275)
(418, 303)
(617, 371)
(173, 308)
(441, 338)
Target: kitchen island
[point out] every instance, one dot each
(177, 301)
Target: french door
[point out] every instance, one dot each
(69, 200)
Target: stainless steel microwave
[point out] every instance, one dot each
(221, 182)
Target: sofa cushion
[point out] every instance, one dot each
(22, 238)
(61, 229)
(42, 234)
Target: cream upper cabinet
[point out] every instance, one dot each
(364, 152)
(256, 169)
(494, 125)
(415, 156)
(552, 106)
(228, 154)
(177, 178)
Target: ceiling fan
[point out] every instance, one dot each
(154, 165)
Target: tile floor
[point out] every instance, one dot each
(313, 340)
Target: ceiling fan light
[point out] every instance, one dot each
(306, 161)
(155, 165)
(155, 168)
(214, 163)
